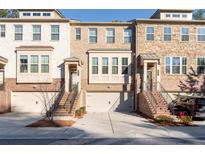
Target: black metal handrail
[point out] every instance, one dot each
(51, 106)
(72, 96)
(150, 96)
(168, 99)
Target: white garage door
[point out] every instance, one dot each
(103, 102)
(29, 102)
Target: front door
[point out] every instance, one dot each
(74, 79)
(149, 79)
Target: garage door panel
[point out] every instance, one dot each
(103, 102)
(29, 102)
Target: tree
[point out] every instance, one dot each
(199, 14)
(9, 13)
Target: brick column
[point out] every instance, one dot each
(144, 75)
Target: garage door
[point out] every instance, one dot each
(103, 102)
(29, 102)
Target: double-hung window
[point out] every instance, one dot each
(124, 65)
(115, 65)
(55, 32)
(18, 32)
(94, 65)
(2, 31)
(36, 32)
(167, 33)
(127, 35)
(201, 34)
(184, 34)
(34, 63)
(110, 35)
(44, 64)
(77, 34)
(201, 65)
(92, 35)
(23, 63)
(150, 33)
(176, 65)
(105, 65)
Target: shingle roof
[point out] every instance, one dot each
(149, 56)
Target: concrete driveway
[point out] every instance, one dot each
(97, 128)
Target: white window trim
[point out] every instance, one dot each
(110, 55)
(181, 34)
(18, 33)
(171, 65)
(125, 36)
(197, 34)
(149, 33)
(197, 64)
(164, 33)
(37, 33)
(94, 65)
(76, 33)
(89, 35)
(55, 33)
(3, 31)
(110, 36)
(115, 66)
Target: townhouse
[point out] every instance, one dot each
(138, 65)
(32, 48)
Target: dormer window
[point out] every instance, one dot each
(26, 14)
(168, 15)
(176, 15)
(37, 14)
(46, 14)
(184, 15)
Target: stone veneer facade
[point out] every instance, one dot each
(190, 49)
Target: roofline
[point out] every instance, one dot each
(32, 20)
(171, 10)
(3, 60)
(101, 23)
(169, 21)
(56, 10)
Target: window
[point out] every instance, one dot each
(92, 35)
(46, 14)
(94, 65)
(18, 32)
(124, 65)
(201, 65)
(127, 35)
(167, 33)
(23, 63)
(26, 14)
(36, 32)
(110, 35)
(168, 15)
(114, 65)
(2, 31)
(184, 34)
(201, 34)
(54, 32)
(184, 15)
(176, 15)
(150, 33)
(34, 64)
(105, 65)
(176, 65)
(78, 34)
(37, 14)
(44, 64)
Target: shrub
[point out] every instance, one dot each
(164, 118)
(83, 110)
(185, 119)
(77, 113)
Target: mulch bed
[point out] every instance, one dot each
(54, 123)
(172, 123)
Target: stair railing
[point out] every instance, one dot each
(152, 100)
(72, 96)
(168, 99)
(51, 105)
